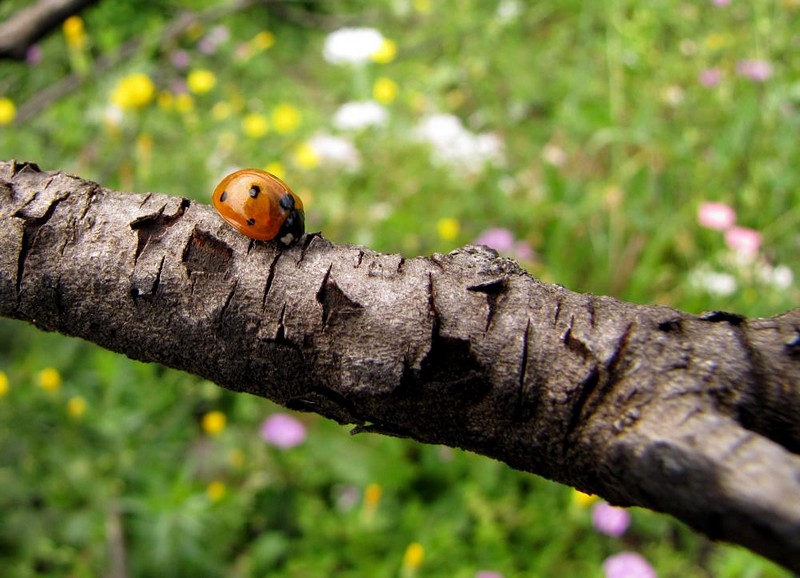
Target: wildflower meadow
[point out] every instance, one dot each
(644, 150)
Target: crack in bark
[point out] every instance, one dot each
(206, 253)
(280, 332)
(493, 290)
(329, 401)
(581, 410)
(30, 229)
(521, 408)
(273, 265)
(91, 195)
(153, 226)
(228, 298)
(307, 240)
(335, 303)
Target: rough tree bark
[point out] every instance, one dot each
(696, 416)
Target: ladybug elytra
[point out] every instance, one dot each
(261, 206)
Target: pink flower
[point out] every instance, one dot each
(502, 241)
(283, 431)
(710, 77)
(488, 574)
(34, 55)
(523, 251)
(628, 565)
(180, 59)
(755, 70)
(718, 216)
(743, 241)
(720, 2)
(610, 520)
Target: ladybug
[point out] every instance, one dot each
(260, 205)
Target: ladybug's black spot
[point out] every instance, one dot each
(251, 222)
(287, 202)
(223, 196)
(254, 190)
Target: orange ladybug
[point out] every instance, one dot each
(260, 205)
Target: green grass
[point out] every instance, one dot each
(610, 143)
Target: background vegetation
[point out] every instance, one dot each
(642, 150)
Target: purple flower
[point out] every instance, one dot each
(523, 251)
(209, 43)
(501, 240)
(180, 59)
(283, 431)
(34, 55)
(710, 77)
(628, 565)
(610, 520)
(754, 69)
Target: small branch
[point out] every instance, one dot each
(21, 31)
(697, 416)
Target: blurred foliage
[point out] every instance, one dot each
(590, 132)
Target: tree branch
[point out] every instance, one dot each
(697, 416)
(20, 31)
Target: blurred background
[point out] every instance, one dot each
(647, 151)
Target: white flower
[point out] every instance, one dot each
(554, 155)
(508, 10)
(359, 115)
(335, 150)
(351, 45)
(457, 147)
(780, 276)
(713, 282)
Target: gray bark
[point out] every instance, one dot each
(697, 416)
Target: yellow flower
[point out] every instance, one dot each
(201, 81)
(306, 157)
(76, 406)
(144, 147)
(386, 52)
(4, 384)
(49, 379)
(184, 102)
(133, 91)
(581, 499)
(165, 100)
(413, 556)
(214, 422)
(372, 496)
(75, 31)
(216, 491)
(285, 118)
(422, 6)
(221, 110)
(384, 90)
(448, 228)
(236, 458)
(277, 169)
(8, 111)
(263, 40)
(255, 125)
(716, 40)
